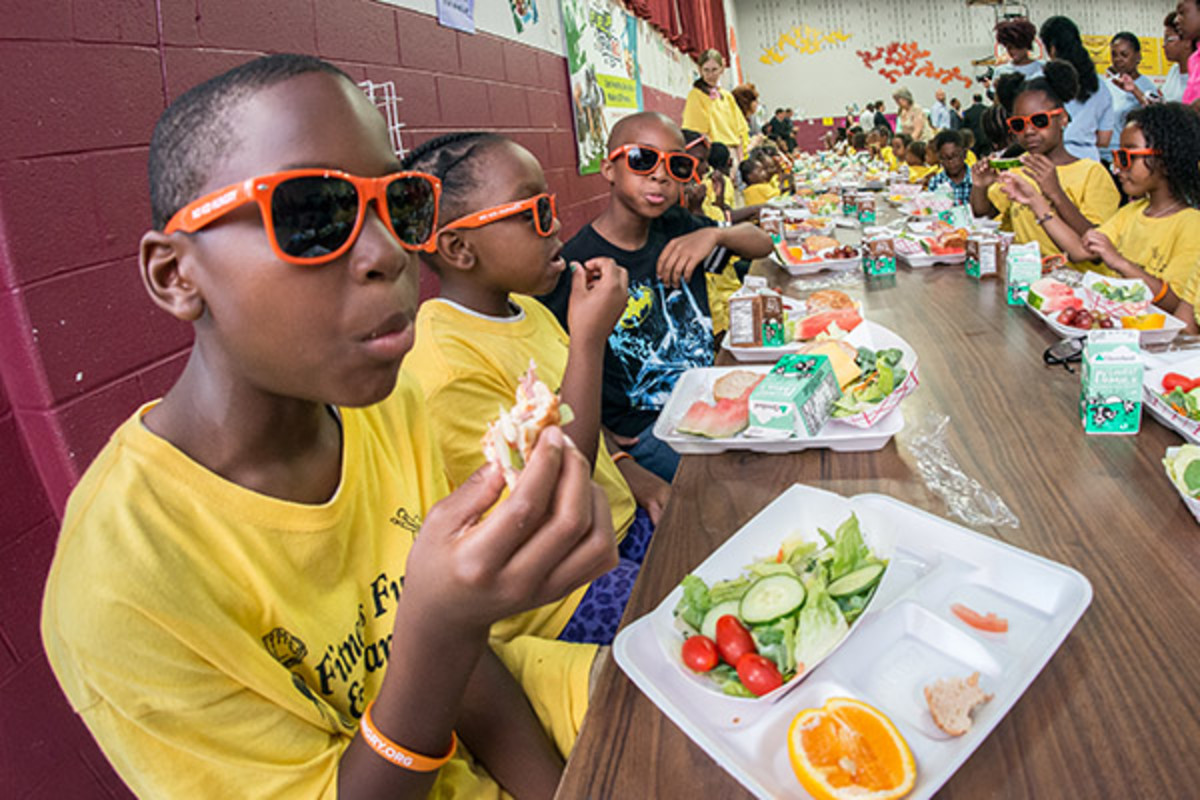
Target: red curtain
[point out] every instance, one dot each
(691, 25)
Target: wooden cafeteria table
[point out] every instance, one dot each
(1116, 712)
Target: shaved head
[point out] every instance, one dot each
(628, 130)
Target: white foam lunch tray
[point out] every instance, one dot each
(1164, 335)
(1156, 366)
(910, 639)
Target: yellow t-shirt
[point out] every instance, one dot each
(720, 120)
(709, 206)
(222, 643)
(920, 172)
(1086, 183)
(889, 158)
(468, 366)
(970, 159)
(1166, 247)
(758, 193)
(1191, 291)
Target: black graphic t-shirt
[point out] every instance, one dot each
(663, 331)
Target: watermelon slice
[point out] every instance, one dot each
(725, 419)
(846, 319)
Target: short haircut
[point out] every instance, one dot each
(780, 111)
(947, 137)
(904, 137)
(1129, 39)
(917, 149)
(718, 156)
(622, 131)
(858, 141)
(454, 159)
(978, 98)
(195, 132)
(746, 169)
(968, 137)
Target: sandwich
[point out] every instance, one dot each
(510, 438)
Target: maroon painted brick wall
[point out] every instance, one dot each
(81, 346)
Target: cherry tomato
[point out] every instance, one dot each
(759, 674)
(699, 653)
(733, 640)
(1174, 380)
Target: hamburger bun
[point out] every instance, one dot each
(732, 385)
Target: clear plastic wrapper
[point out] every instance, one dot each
(826, 280)
(966, 497)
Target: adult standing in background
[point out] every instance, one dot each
(956, 117)
(911, 117)
(1091, 111)
(1188, 12)
(866, 120)
(1129, 88)
(746, 97)
(1017, 37)
(1177, 49)
(881, 120)
(939, 113)
(711, 110)
(973, 121)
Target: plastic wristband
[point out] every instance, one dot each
(1162, 292)
(619, 455)
(396, 754)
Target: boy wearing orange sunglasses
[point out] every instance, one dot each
(239, 602)
(497, 248)
(666, 327)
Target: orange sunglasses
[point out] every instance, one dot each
(643, 159)
(1039, 120)
(313, 216)
(1123, 156)
(543, 208)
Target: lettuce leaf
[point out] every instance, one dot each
(695, 603)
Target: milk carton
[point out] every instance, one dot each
(795, 399)
(756, 316)
(879, 256)
(1110, 400)
(1023, 268)
(849, 201)
(866, 209)
(985, 255)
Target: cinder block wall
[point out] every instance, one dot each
(80, 344)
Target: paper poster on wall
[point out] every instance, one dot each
(525, 13)
(457, 14)
(602, 60)
(802, 39)
(896, 60)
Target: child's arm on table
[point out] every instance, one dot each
(1100, 246)
(554, 533)
(599, 291)
(684, 253)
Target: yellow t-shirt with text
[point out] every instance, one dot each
(1166, 247)
(219, 642)
(468, 366)
(1086, 183)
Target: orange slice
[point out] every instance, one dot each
(848, 749)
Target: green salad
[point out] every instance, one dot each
(881, 375)
(797, 604)
(1120, 294)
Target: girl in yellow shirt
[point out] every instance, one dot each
(1078, 192)
(711, 110)
(1157, 237)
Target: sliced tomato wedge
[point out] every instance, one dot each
(989, 622)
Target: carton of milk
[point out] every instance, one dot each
(756, 315)
(1023, 268)
(1110, 399)
(795, 398)
(985, 253)
(879, 256)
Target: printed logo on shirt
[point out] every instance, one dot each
(333, 677)
(409, 522)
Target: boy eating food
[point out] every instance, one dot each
(666, 327)
(254, 591)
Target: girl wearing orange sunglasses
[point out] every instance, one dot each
(1077, 191)
(1155, 238)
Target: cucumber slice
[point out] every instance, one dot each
(709, 626)
(772, 597)
(856, 581)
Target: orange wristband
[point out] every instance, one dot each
(396, 754)
(1161, 292)
(619, 455)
